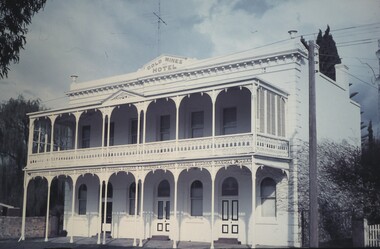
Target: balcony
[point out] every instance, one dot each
(183, 149)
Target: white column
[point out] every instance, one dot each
(31, 136)
(175, 221)
(108, 129)
(213, 175)
(103, 126)
(52, 121)
(253, 214)
(77, 117)
(26, 183)
(39, 137)
(138, 126)
(142, 212)
(74, 178)
(136, 201)
(49, 180)
(105, 211)
(254, 115)
(100, 210)
(213, 100)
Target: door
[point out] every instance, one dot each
(230, 217)
(163, 216)
(162, 209)
(229, 208)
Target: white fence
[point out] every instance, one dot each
(373, 236)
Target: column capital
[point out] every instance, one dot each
(77, 115)
(52, 118)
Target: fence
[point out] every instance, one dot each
(373, 235)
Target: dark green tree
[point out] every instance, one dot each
(14, 132)
(15, 16)
(328, 54)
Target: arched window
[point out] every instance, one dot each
(163, 189)
(132, 199)
(196, 196)
(268, 197)
(82, 199)
(109, 190)
(230, 187)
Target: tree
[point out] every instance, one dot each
(14, 132)
(15, 15)
(328, 54)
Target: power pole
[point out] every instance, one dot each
(313, 173)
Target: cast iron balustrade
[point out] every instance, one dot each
(192, 148)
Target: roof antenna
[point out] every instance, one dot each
(159, 20)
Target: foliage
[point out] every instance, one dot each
(14, 132)
(15, 15)
(328, 54)
(348, 184)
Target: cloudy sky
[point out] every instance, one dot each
(96, 39)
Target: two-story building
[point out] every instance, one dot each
(189, 150)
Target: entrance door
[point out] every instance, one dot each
(162, 209)
(230, 217)
(163, 216)
(229, 208)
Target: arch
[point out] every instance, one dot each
(82, 199)
(233, 111)
(196, 198)
(64, 132)
(268, 197)
(163, 189)
(195, 114)
(123, 118)
(41, 135)
(230, 187)
(160, 120)
(90, 127)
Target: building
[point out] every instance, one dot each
(212, 145)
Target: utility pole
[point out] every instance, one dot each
(313, 173)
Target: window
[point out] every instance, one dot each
(134, 131)
(229, 120)
(86, 131)
(132, 199)
(112, 132)
(163, 189)
(82, 199)
(197, 124)
(230, 187)
(281, 116)
(271, 113)
(165, 127)
(268, 198)
(196, 196)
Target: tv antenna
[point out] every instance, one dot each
(159, 21)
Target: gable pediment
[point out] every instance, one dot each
(123, 96)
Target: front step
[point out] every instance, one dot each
(160, 237)
(232, 241)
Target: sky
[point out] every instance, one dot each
(96, 39)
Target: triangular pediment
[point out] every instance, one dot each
(166, 63)
(123, 96)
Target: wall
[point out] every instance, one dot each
(10, 227)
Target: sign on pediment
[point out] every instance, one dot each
(166, 63)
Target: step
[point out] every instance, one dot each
(232, 241)
(160, 237)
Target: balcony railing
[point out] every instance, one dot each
(229, 145)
